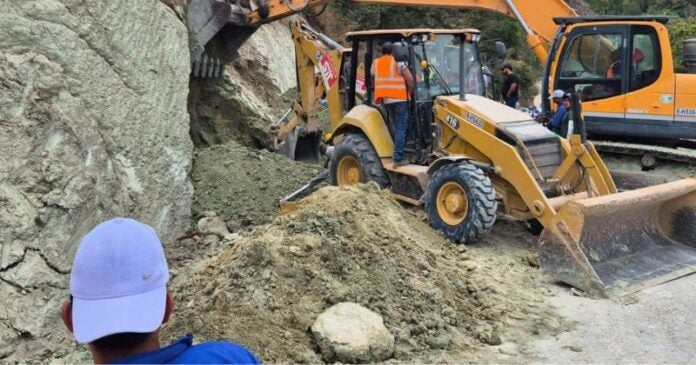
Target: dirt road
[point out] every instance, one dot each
(655, 325)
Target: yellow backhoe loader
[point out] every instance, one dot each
(472, 158)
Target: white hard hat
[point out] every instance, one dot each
(558, 93)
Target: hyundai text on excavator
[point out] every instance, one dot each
(472, 158)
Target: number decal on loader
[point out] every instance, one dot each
(452, 121)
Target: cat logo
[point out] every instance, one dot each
(474, 120)
(452, 121)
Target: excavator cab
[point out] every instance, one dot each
(622, 67)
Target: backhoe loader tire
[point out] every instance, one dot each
(357, 147)
(467, 207)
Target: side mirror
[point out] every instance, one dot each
(500, 50)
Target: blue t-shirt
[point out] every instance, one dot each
(183, 352)
(557, 117)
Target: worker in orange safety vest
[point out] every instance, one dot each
(393, 85)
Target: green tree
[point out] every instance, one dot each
(679, 31)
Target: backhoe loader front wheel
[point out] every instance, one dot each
(354, 161)
(460, 202)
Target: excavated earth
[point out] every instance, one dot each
(443, 302)
(243, 184)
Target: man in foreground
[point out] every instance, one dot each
(119, 300)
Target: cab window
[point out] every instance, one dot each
(645, 58)
(592, 66)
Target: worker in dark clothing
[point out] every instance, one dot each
(510, 87)
(565, 130)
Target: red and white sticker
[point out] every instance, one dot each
(328, 71)
(360, 85)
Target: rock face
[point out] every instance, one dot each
(93, 123)
(241, 105)
(350, 333)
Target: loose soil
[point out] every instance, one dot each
(244, 184)
(443, 302)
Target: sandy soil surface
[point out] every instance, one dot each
(443, 302)
(655, 325)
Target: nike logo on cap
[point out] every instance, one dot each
(147, 276)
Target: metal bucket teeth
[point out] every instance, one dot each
(207, 67)
(621, 243)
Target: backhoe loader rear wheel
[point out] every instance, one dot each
(354, 161)
(460, 202)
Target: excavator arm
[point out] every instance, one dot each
(206, 17)
(535, 17)
(318, 60)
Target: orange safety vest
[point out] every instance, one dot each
(388, 82)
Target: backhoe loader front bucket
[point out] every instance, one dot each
(621, 243)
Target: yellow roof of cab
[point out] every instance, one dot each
(409, 32)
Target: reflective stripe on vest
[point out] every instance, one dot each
(388, 82)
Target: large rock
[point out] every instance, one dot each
(350, 333)
(242, 105)
(93, 123)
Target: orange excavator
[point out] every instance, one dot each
(644, 102)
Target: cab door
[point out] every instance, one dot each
(590, 65)
(650, 97)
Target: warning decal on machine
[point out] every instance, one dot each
(328, 71)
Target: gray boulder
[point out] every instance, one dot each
(350, 333)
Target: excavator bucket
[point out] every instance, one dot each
(620, 243)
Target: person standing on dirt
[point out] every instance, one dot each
(119, 300)
(511, 86)
(393, 86)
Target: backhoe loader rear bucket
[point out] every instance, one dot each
(621, 243)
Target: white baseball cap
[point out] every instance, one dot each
(118, 281)
(558, 93)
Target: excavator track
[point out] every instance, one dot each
(684, 153)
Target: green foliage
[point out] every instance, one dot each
(685, 8)
(680, 31)
(492, 26)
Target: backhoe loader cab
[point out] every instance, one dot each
(433, 57)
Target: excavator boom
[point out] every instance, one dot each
(206, 17)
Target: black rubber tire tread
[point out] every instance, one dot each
(358, 146)
(482, 204)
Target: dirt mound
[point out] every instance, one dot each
(441, 301)
(244, 184)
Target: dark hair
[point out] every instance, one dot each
(120, 341)
(567, 97)
(506, 66)
(387, 47)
